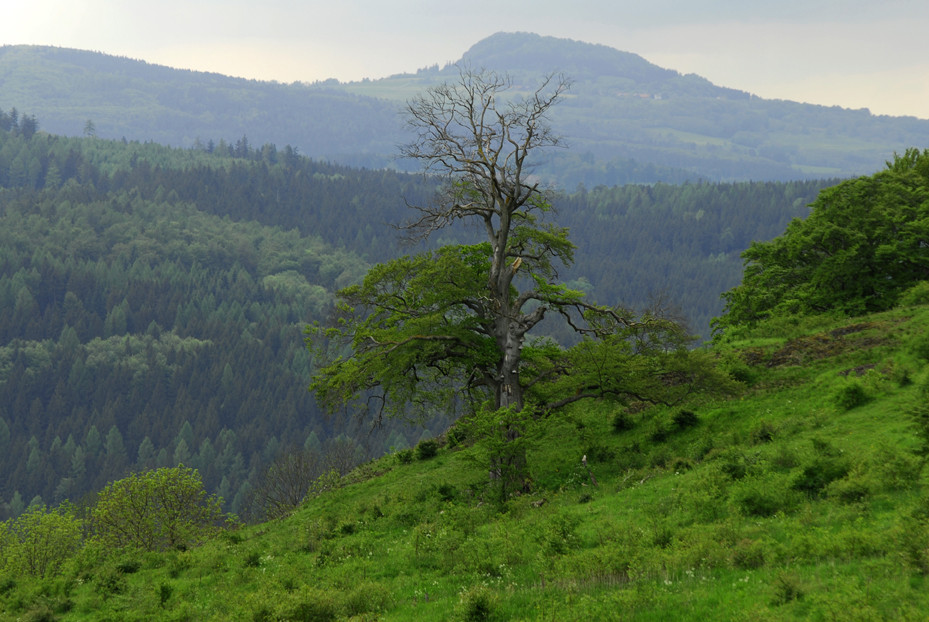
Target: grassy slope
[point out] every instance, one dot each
(713, 522)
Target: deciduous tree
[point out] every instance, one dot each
(451, 327)
(155, 510)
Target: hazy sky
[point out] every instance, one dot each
(852, 53)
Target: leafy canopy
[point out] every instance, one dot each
(155, 510)
(864, 243)
(450, 328)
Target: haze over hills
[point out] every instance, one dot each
(626, 120)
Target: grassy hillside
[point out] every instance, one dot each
(801, 497)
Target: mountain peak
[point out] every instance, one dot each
(524, 51)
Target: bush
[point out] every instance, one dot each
(367, 597)
(787, 588)
(447, 492)
(764, 497)
(916, 295)
(596, 452)
(283, 486)
(39, 541)
(850, 396)
(758, 502)
(748, 555)
(307, 604)
(476, 604)
(427, 449)
(683, 419)
(763, 433)
(404, 456)
(733, 465)
(156, 510)
(622, 422)
(819, 474)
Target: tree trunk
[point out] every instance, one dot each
(508, 466)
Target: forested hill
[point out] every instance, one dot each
(154, 297)
(626, 120)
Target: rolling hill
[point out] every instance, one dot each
(626, 120)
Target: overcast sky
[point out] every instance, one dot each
(852, 53)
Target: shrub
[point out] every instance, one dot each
(820, 473)
(476, 604)
(851, 395)
(660, 433)
(787, 588)
(404, 456)
(455, 436)
(39, 541)
(164, 593)
(328, 481)
(283, 486)
(130, 566)
(681, 464)
(447, 492)
(765, 496)
(597, 452)
(427, 449)
(748, 555)
(758, 502)
(733, 465)
(916, 295)
(849, 490)
(367, 597)
(683, 419)
(308, 604)
(763, 433)
(156, 510)
(559, 535)
(919, 413)
(622, 422)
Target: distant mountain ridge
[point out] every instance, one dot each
(625, 119)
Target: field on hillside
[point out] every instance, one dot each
(801, 497)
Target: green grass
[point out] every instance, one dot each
(783, 502)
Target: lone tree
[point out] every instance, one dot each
(449, 328)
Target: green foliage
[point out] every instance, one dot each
(476, 604)
(776, 504)
(764, 496)
(503, 439)
(786, 588)
(327, 482)
(162, 509)
(622, 422)
(851, 395)
(40, 541)
(213, 283)
(815, 476)
(918, 294)
(919, 412)
(859, 250)
(685, 419)
(427, 449)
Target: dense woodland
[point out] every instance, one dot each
(799, 492)
(154, 298)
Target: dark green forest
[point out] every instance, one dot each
(153, 298)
